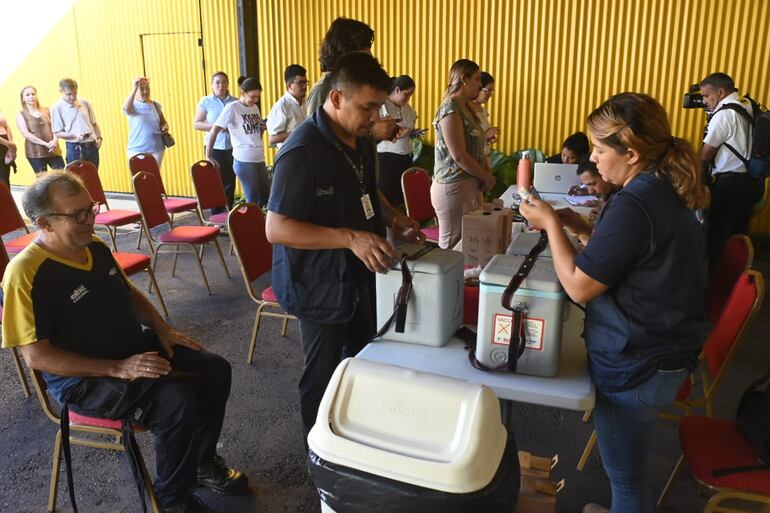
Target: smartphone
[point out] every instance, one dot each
(533, 192)
(525, 194)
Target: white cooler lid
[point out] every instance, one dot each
(419, 428)
(501, 269)
(523, 243)
(435, 261)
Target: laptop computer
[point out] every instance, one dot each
(555, 178)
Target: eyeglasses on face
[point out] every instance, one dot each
(300, 82)
(488, 90)
(81, 216)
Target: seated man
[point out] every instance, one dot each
(573, 149)
(105, 351)
(594, 184)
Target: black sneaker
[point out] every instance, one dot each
(190, 505)
(217, 477)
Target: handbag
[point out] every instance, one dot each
(166, 137)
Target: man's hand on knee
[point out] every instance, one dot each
(170, 338)
(143, 365)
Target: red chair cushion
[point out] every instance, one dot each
(118, 217)
(83, 420)
(174, 205)
(218, 218)
(132, 263)
(269, 295)
(16, 245)
(710, 444)
(190, 234)
(431, 233)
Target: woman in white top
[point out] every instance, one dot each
(145, 122)
(396, 156)
(245, 124)
(490, 132)
(34, 122)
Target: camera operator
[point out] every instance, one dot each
(733, 190)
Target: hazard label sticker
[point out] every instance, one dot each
(533, 329)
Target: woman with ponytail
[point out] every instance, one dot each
(642, 277)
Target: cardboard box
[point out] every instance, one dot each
(483, 236)
(538, 493)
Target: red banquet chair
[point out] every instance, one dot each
(133, 263)
(736, 257)
(246, 224)
(209, 191)
(110, 219)
(99, 433)
(742, 304)
(709, 445)
(11, 221)
(150, 200)
(415, 184)
(145, 163)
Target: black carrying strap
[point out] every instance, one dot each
(129, 445)
(518, 341)
(401, 302)
(745, 115)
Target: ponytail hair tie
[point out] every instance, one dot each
(673, 142)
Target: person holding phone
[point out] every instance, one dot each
(243, 121)
(396, 156)
(490, 132)
(146, 122)
(642, 277)
(460, 173)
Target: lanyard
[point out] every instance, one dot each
(358, 169)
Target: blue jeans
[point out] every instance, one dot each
(253, 177)
(41, 164)
(625, 425)
(83, 151)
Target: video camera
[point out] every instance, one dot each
(693, 99)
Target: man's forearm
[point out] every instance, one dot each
(303, 235)
(42, 356)
(278, 138)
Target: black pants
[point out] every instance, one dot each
(325, 346)
(733, 196)
(184, 411)
(392, 166)
(5, 169)
(225, 160)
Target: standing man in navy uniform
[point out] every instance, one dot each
(327, 222)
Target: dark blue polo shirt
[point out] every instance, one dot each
(648, 248)
(313, 181)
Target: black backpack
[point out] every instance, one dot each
(753, 417)
(758, 161)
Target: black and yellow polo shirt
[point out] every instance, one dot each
(82, 308)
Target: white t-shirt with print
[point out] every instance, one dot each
(243, 124)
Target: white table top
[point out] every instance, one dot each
(556, 200)
(571, 389)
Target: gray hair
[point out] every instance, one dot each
(37, 199)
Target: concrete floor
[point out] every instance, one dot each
(262, 433)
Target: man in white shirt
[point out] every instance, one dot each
(291, 109)
(733, 191)
(73, 120)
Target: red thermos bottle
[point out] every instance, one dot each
(524, 172)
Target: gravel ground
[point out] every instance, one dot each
(262, 434)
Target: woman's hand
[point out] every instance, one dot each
(491, 134)
(488, 182)
(574, 222)
(539, 214)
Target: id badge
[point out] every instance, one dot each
(366, 202)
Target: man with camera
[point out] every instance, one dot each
(728, 135)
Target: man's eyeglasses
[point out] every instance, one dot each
(81, 216)
(300, 82)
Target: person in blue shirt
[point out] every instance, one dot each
(327, 223)
(642, 277)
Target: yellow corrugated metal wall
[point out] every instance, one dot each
(553, 60)
(97, 43)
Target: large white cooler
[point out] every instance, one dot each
(435, 309)
(546, 309)
(391, 439)
(523, 242)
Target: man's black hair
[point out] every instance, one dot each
(345, 35)
(719, 81)
(586, 165)
(359, 69)
(577, 143)
(292, 71)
